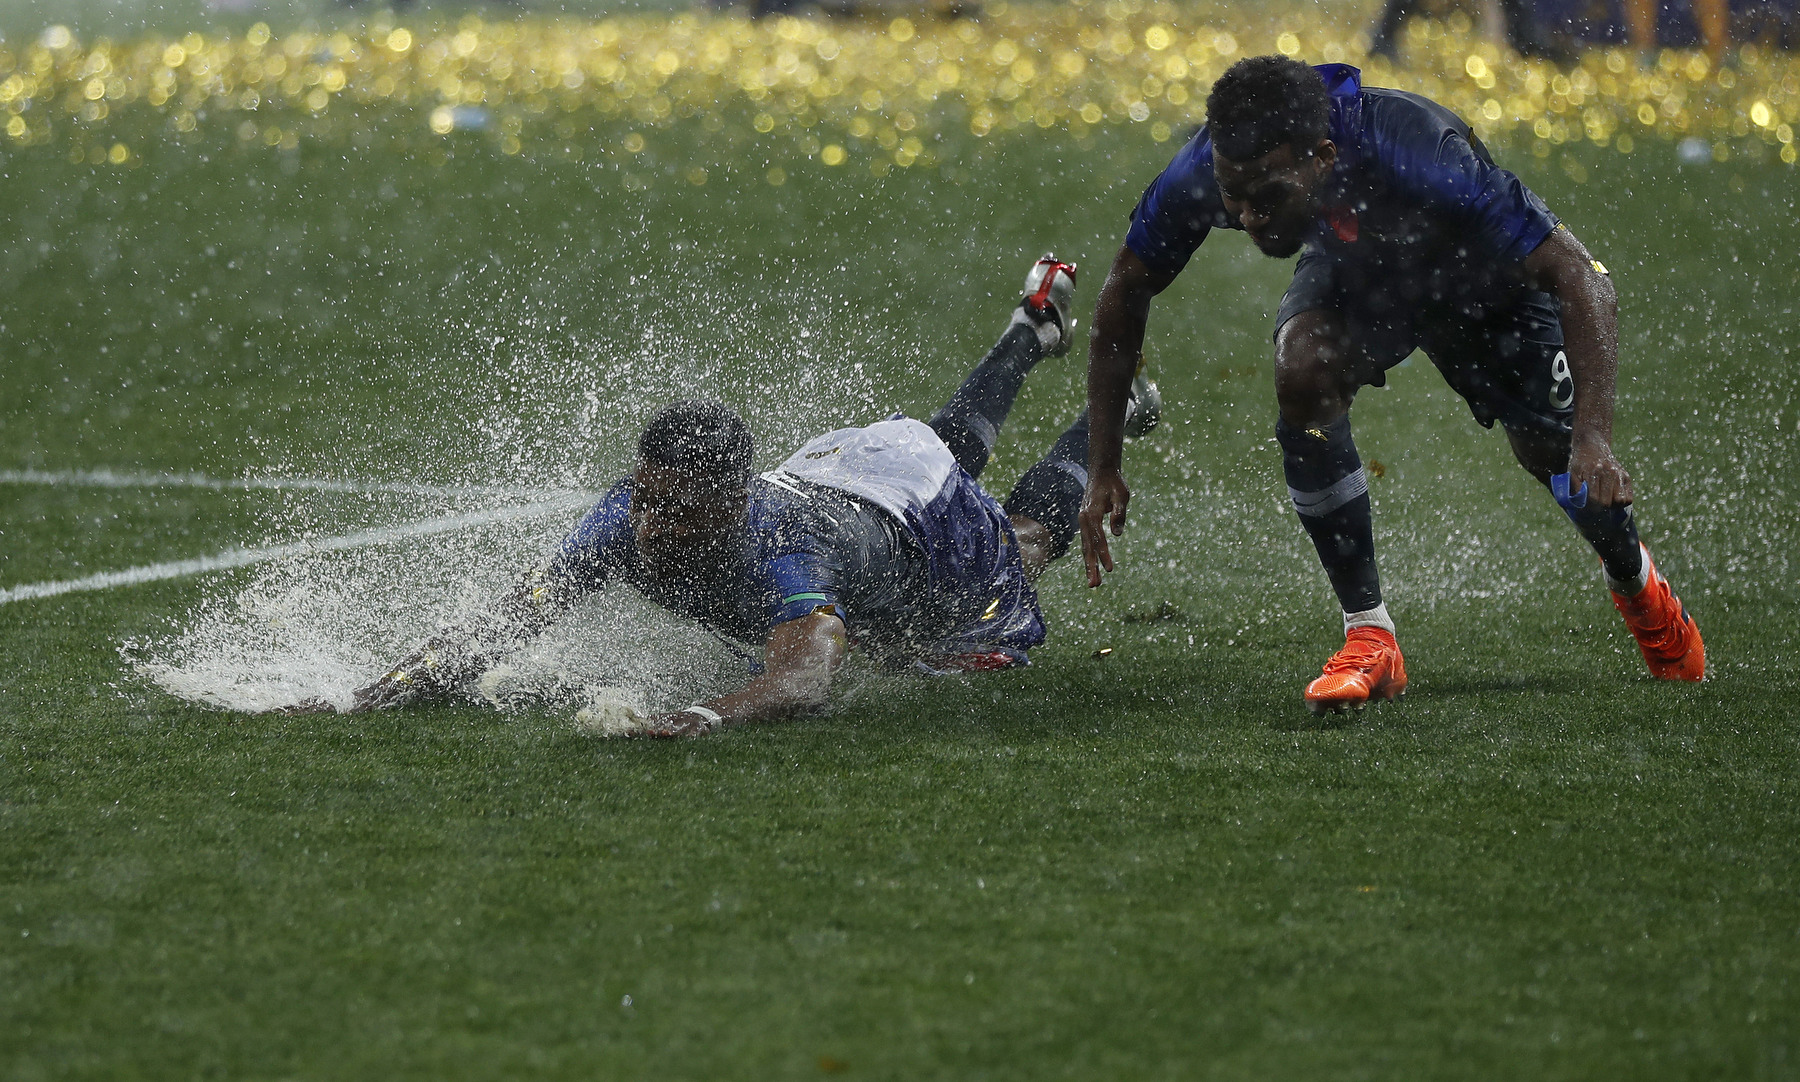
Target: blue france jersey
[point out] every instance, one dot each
(782, 572)
(865, 523)
(1414, 196)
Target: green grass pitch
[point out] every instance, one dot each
(1147, 864)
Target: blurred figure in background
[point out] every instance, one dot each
(1711, 17)
(1524, 32)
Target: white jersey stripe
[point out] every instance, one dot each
(899, 465)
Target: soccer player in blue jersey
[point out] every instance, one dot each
(877, 537)
(1409, 237)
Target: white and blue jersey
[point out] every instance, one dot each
(1414, 203)
(877, 525)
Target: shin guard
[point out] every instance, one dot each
(1330, 493)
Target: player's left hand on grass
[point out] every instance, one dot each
(1591, 463)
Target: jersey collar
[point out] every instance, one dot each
(1344, 84)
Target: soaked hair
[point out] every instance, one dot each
(1264, 102)
(699, 437)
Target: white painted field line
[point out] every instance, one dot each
(105, 478)
(230, 558)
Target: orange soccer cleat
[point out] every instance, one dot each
(1368, 667)
(1666, 635)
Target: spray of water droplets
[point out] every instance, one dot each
(549, 413)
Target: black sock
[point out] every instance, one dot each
(1051, 490)
(1613, 533)
(1331, 494)
(970, 421)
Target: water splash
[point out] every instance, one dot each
(540, 408)
(322, 626)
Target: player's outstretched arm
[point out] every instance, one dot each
(1115, 348)
(1561, 265)
(799, 659)
(429, 672)
(449, 659)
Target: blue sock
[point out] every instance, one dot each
(969, 423)
(1325, 480)
(1051, 490)
(1612, 531)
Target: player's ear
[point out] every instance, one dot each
(1325, 155)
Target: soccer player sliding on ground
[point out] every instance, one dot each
(1410, 237)
(877, 536)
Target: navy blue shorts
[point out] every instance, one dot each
(1504, 357)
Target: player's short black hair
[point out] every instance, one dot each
(1264, 102)
(699, 437)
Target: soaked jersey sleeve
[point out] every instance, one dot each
(595, 550)
(1179, 208)
(802, 581)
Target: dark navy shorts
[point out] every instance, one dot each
(1506, 359)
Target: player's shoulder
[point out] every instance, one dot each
(1190, 171)
(607, 514)
(782, 516)
(1401, 130)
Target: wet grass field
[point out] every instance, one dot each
(1142, 863)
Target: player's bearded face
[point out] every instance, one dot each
(687, 526)
(1276, 197)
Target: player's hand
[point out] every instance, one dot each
(1591, 462)
(1102, 507)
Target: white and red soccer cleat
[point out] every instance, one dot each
(1049, 295)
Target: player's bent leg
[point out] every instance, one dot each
(1667, 636)
(1324, 474)
(1049, 494)
(1035, 545)
(1315, 383)
(970, 422)
(1316, 377)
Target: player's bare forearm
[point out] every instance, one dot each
(1115, 348)
(1590, 318)
(800, 659)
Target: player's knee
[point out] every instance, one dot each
(1538, 456)
(1311, 370)
(1035, 545)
